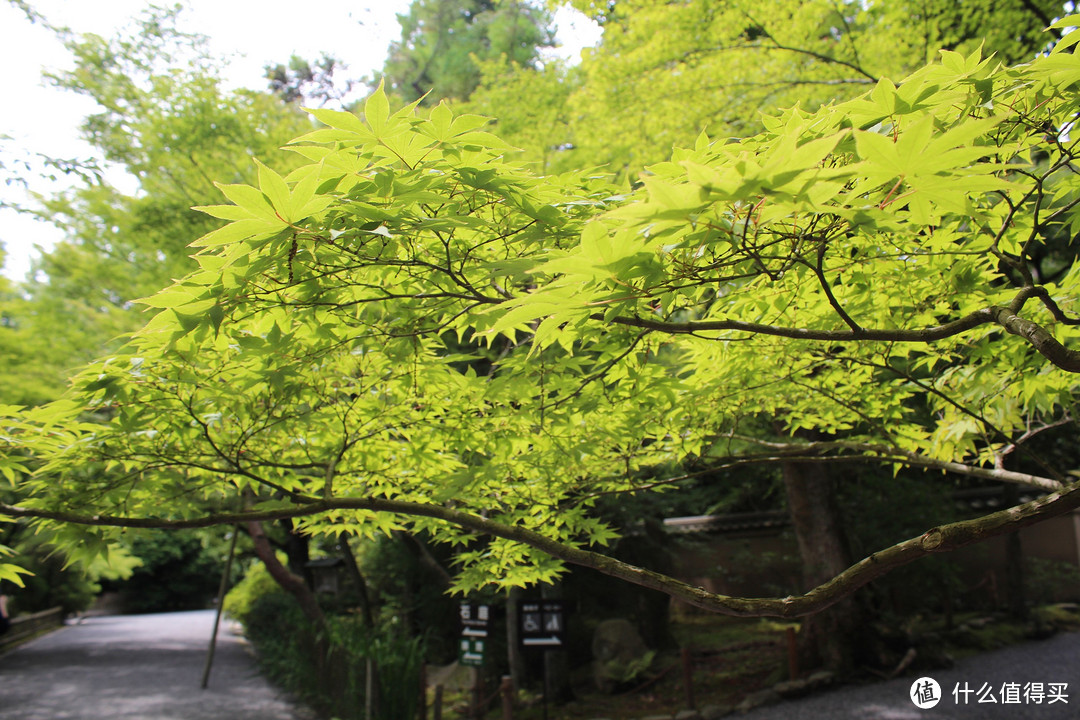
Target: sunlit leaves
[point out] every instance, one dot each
(377, 111)
(412, 317)
(11, 573)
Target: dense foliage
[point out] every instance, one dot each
(329, 667)
(445, 42)
(164, 117)
(177, 573)
(413, 331)
(717, 64)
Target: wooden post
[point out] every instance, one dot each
(222, 590)
(436, 706)
(369, 689)
(423, 691)
(792, 655)
(515, 656)
(688, 678)
(478, 693)
(507, 689)
(547, 686)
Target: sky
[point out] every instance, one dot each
(40, 119)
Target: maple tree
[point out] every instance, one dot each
(411, 330)
(163, 115)
(717, 64)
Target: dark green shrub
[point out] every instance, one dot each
(56, 582)
(178, 573)
(396, 664)
(255, 584)
(1050, 581)
(328, 669)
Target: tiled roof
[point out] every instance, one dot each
(988, 498)
(978, 499)
(737, 522)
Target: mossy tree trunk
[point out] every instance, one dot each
(1015, 586)
(831, 637)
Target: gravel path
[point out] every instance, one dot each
(1056, 660)
(138, 666)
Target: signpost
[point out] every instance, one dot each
(474, 633)
(542, 625)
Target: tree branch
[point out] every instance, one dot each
(814, 453)
(931, 334)
(293, 584)
(827, 59)
(819, 270)
(936, 540)
(1045, 19)
(805, 451)
(1036, 335)
(1039, 338)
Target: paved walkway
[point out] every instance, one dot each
(1001, 676)
(138, 666)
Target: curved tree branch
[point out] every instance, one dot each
(1039, 338)
(827, 59)
(818, 453)
(930, 334)
(293, 584)
(804, 452)
(1036, 335)
(939, 539)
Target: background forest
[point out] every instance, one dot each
(593, 341)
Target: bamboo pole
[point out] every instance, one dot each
(222, 589)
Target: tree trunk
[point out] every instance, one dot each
(833, 636)
(289, 582)
(419, 550)
(514, 656)
(309, 605)
(358, 579)
(298, 549)
(418, 576)
(372, 689)
(1015, 591)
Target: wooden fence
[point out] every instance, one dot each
(27, 626)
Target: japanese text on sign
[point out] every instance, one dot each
(474, 632)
